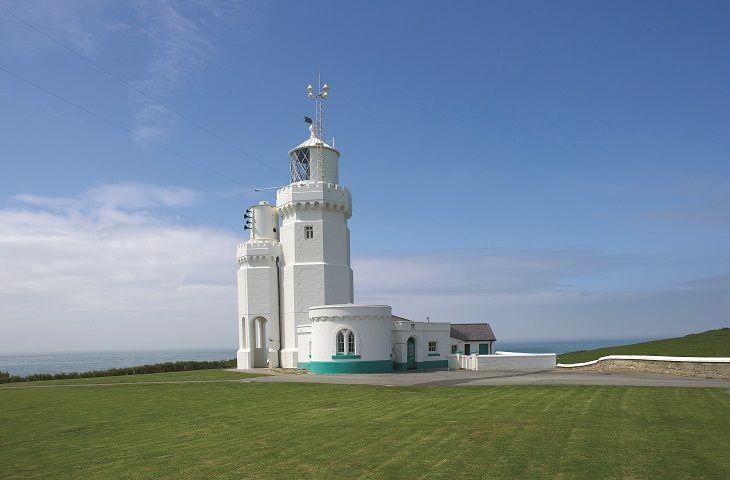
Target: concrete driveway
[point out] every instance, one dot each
(434, 378)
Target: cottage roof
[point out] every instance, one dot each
(472, 332)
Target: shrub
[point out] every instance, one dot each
(114, 372)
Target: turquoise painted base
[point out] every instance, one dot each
(430, 365)
(372, 366)
(433, 364)
(303, 365)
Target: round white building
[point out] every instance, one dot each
(349, 339)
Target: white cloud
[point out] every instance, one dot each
(100, 272)
(135, 195)
(114, 267)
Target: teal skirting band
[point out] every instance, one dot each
(431, 365)
(343, 366)
(434, 364)
(303, 365)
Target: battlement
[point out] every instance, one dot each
(314, 194)
(259, 249)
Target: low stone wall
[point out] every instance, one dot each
(690, 369)
(715, 368)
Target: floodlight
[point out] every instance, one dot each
(325, 88)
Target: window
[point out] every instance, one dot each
(432, 346)
(345, 342)
(340, 343)
(300, 165)
(454, 348)
(309, 231)
(351, 343)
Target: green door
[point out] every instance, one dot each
(467, 349)
(411, 353)
(483, 349)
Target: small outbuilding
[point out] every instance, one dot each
(470, 338)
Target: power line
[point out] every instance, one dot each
(137, 89)
(122, 127)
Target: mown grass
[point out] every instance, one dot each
(256, 430)
(713, 343)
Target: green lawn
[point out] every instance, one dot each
(713, 343)
(254, 430)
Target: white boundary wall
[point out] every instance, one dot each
(654, 358)
(504, 361)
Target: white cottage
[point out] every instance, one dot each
(295, 284)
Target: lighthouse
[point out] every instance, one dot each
(295, 283)
(298, 255)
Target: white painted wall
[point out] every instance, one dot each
(506, 361)
(304, 342)
(655, 358)
(371, 325)
(423, 333)
(315, 271)
(258, 298)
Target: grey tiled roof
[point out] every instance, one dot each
(471, 332)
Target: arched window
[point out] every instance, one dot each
(340, 343)
(351, 343)
(345, 341)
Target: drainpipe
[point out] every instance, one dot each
(278, 299)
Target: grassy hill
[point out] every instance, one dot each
(713, 343)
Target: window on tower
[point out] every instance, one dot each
(300, 165)
(308, 231)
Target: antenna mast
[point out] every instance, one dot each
(319, 97)
(318, 131)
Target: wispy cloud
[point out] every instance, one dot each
(173, 41)
(80, 24)
(183, 38)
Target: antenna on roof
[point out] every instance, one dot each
(317, 130)
(319, 97)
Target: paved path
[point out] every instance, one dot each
(469, 378)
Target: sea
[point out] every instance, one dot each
(64, 362)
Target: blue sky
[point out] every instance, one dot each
(559, 169)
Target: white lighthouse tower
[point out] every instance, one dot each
(305, 262)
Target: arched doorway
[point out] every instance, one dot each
(260, 343)
(411, 354)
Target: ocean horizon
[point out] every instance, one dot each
(29, 363)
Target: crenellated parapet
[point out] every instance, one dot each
(313, 195)
(258, 252)
(350, 312)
